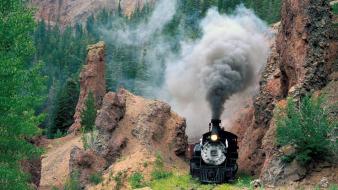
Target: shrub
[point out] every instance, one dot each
(335, 8)
(159, 171)
(59, 134)
(307, 128)
(119, 178)
(136, 180)
(73, 182)
(96, 178)
(160, 174)
(88, 116)
(89, 138)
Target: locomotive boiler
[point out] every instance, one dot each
(214, 157)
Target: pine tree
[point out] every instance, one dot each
(88, 116)
(65, 108)
(21, 86)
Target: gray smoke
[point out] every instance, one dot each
(223, 77)
(225, 62)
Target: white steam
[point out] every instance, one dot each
(225, 61)
(142, 34)
(154, 48)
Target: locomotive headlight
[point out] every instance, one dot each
(214, 137)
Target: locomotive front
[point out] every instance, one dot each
(214, 157)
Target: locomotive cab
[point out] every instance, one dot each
(214, 157)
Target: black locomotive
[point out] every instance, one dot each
(214, 158)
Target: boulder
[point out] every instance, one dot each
(324, 183)
(111, 112)
(84, 164)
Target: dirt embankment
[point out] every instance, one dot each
(55, 162)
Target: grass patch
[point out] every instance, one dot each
(333, 187)
(136, 180)
(96, 178)
(159, 172)
(185, 182)
(119, 179)
(165, 180)
(73, 182)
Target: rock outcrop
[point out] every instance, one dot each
(301, 60)
(112, 111)
(130, 127)
(303, 43)
(92, 79)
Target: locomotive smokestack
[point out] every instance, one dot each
(215, 129)
(216, 123)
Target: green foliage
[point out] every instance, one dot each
(136, 180)
(59, 134)
(160, 174)
(119, 178)
(73, 182)
(243, 181)
(159, 171)
(21, 86)
(63, 53)
(89, 138)
(307, 128)
(89, 114)
(335, 8)
(96, 178)
(64, 109)
(333, 187)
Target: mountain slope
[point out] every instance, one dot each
(72, 11)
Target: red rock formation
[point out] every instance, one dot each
(129, 125)
(148, 122)
(303, 43)
(300, 62)
(91, 80)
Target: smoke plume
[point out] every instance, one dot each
(210, 77)
(224, 62)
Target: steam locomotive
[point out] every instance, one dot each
(214, 158)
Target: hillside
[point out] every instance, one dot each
(68, 12)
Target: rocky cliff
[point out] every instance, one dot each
(72, 11)
(302, 58)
